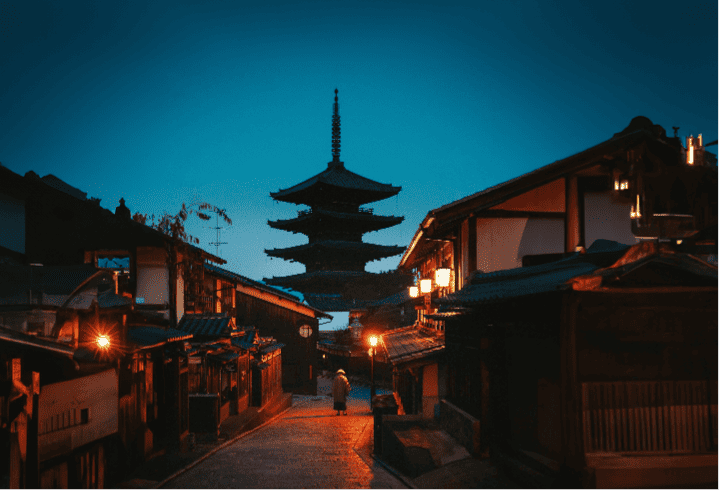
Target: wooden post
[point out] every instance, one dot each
(472, 244)
(485, 420)
(572, 220)
(572, 438)
(17, 465)
(33, 457)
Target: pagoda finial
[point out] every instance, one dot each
(335, 133)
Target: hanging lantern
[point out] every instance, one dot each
(413, 291)
(442, 277)
(425, 286)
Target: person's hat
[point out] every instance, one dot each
(340, 371)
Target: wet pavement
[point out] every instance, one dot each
(307, 446)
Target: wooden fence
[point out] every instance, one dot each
(650, 416)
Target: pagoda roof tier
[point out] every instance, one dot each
(336, 185)
(353, 287)
(316, 281)
(322, 219)
(326, 251)
(333, 302)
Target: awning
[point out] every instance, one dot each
(411, 343)
(149, 337)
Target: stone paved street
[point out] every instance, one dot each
(306, 447)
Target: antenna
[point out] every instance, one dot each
(218, 229)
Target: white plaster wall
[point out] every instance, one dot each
(12, 223)
(502, 242)
(153, 284)
(97, 392)
(606, 216)
(180, 307)
(542, 236)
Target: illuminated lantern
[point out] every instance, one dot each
(103, 341)
(425, 286)
(690, 150)
(442, 277)
(413, 291)
(373, 340)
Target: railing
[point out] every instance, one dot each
(650, 416)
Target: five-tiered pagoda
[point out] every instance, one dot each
(335, 255)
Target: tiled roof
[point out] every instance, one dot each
(109, 299)
(365, 221)
(341, 350)
(232, 276)
(155, 336)
(443, 315)
(51, 280)
(72, 286)
(224, 356)
(271, 347)
(394, 300)
(19, 338)
(206, 325)
(251, 340)
(307, 278)
(600, 266)
(337, 176)
(332, 302)
(361, 250)
(410, 343)
(501, 287)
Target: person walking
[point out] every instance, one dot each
(340, 389)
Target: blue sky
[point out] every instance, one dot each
(170, 102)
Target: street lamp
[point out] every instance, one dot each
(373, 343)
(103, 341)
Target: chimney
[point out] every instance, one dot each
(123, 211)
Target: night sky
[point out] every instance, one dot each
(225, 102)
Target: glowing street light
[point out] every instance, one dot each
(103, 341)
(373, 343)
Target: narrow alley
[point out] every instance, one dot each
(306, 447)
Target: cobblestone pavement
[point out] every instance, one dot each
(306, 447)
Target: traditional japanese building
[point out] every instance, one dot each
(335, 255)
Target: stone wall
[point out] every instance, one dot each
(460, 425)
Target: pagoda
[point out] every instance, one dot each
(335, 255)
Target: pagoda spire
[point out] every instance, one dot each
(335, 134)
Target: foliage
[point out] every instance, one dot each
(174, 225)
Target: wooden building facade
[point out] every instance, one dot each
(279, 315)
(598, 369)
